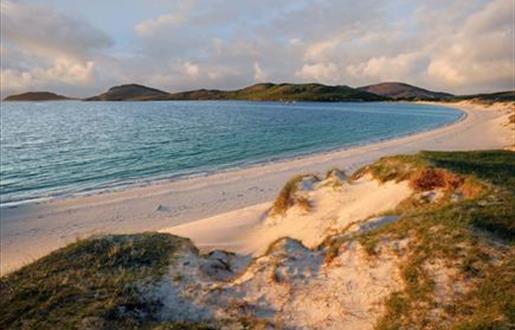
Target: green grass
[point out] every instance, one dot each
(507, 96)
(282, 92)
(94, 282)
(475, 235)
(494, 166)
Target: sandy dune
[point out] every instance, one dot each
(31, 231)
(290, 286)
(335, 205)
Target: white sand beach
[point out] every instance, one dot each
(227, 210)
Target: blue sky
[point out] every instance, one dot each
(80, 48)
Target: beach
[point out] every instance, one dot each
(218, 209)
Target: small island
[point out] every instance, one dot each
(37, 96)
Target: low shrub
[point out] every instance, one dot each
(429, 178)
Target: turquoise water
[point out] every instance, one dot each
(58, 148)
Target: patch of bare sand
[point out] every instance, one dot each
(334, 205)
(290, 286)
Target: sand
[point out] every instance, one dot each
(230, 203)
(250, 231)
(291, 286)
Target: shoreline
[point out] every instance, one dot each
(30, 231)
(243, 165)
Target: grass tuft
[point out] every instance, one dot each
(92, 283)
(287, 198)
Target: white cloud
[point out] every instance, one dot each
(177, 17)
(318, 50)
(42, 48)
(150, 26)
(478, 55)
(443, 70)
(321, 72)
(398, 67)
(295, 41)
(46, 31)
(259, 74)
(63, 70)
(68, 70)
(15, 80)
(191, 69)
(460, 46)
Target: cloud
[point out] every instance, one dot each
(15, 80)
(319, 50)
(394, 68)
(479, 55)
(43, 48)
(459, 46)
(177, 17)
(191, 69)
(44, 30)
(259, 74)
(321, 72)
(63, 70)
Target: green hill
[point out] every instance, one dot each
(129, 92)
(36, 97)
(259, 92)
(282, 92)
(285, 92)
(397, 90)
(507, 96)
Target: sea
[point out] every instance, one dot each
(65, 148)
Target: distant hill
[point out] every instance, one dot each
(397, 90)
(257, 92)
(282, 92)
(286, 92)
(36, 96)
(129, 92)
(491, 97)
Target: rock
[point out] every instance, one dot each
(307, 183)
(337, 174)
(162, 208)
(217, 265)
(377, 222)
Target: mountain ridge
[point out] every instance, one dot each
(285, 92)
(400, 90)
(281, 92)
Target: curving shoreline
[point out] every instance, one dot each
(30, 231)
(91, 187)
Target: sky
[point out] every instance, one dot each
(81, 48)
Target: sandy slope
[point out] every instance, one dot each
(334, 206)
(291, 287)
(293, 281)
(30, 231)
